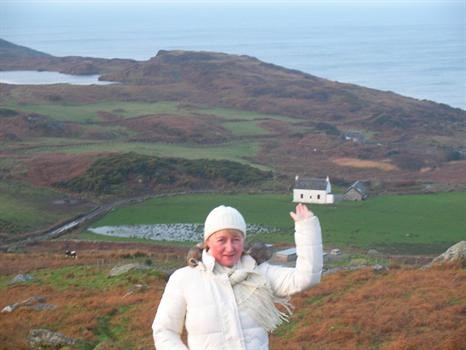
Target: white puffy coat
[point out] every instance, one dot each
(205, 304)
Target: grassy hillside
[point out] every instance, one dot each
(289, 138)
(402, 309)
(415, 224)
(25, 208)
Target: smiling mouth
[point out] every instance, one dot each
(229, 256)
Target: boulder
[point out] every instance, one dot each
(119, 270)
(9, 308)
(456, 253)
(378, 268)
(45, 338)
(15, 248)
(373, 252)
(43, 307)
(21, 279)
(35, 303)
(136, 289)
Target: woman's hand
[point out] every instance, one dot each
(302, 212)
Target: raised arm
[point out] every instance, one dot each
(308, 238)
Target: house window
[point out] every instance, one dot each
(318, 196)
(310, 197)
(302, 196)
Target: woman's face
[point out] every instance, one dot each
(226, 246)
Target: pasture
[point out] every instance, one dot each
(24, 208)
(92, 112)
(237, 152)
(88, 113)
(408, 224)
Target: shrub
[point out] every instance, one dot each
(452, 155)
(328, 128)
(112, 174)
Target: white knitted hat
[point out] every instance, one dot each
(222, 218)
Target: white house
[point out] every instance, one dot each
(310, 190)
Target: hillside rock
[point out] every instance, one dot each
(373, 252)
(9, 308)
(45, 338)
(21, 279)
(15, 248)
(119, 270)
(35, 303)
(378, 268)
(453, 254)
(136, 289)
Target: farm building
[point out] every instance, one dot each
(356, 192)
(311, 190)
(354, 136)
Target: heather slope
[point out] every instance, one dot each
(244, 82)
(404, 308)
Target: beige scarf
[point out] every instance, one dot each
(253, 295)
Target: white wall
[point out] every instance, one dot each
(312, 196)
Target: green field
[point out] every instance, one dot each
(233, 114)
(415, 224)
(89, 112)
(230, 151)
(24, 208)
(245, 128)
(85, 113)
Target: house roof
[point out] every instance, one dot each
(359, 187)
(310, 184)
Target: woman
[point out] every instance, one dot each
(227, 300)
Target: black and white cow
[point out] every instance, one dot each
(71, 254)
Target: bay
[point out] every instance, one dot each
(417, 49)
(46, 78)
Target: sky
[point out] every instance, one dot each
(284, 2)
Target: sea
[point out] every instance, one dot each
(415, 48)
